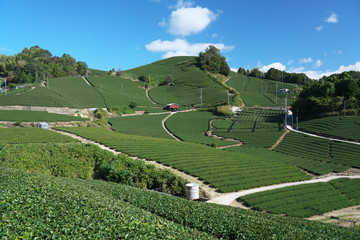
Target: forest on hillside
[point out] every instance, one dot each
(36, 64)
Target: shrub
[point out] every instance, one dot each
(224, 110)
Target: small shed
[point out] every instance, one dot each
(43, 125)
(284, 90)
(172, 107)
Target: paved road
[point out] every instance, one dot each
(227, 199)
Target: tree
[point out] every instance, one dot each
(212, 61)
(81, 68)
(242, 71)
(255, 72)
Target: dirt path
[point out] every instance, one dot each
(280, 139)
(167, 130)
(148, 96)
(228, 198)
(346, 217)
(206, 190)
(87, 82)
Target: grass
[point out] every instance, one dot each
(31, 135)
(308, 199)
(345, 127)
(37, 206)
(36, 116)
(226, 171)
(143, 125)
(191, 126)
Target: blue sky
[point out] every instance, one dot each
(313, 36)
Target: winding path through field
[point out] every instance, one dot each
(227, 199)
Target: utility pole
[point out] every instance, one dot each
(228, 98)
(47, 82)
(276, 94)
(201, 98)
(5, 88)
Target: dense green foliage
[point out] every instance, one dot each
(342, 155)
(43, 207)
(192, 126)
(308, 199)
(89, 162)
(35, 64)
(346, 127)
(188, 82)
(36, 116)
(31, 135)
(278, 75)
(46, 207)
(143, 125)
(336, 93)
(212, 61)
(226, 171)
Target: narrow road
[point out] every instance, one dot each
(148, 96)
(227, 199)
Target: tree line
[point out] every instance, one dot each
(337, 93)
(35, 64)
(276, 75)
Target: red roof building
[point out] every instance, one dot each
(172, 107)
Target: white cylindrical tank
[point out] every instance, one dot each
(192, 191)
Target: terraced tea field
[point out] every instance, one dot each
(36, 116)
(347, 127)
(191, 126)
(143, 125)
(308, 199)
(226, 171)
(118, 91)
(31, 135)
(322, 150)
(255, 129)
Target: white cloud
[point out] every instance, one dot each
(318, 63)
(214, 35)
(319, 28)
(290, 62)
(188, 21)
(181, 47)
(320, 74)
(234, 69)
(305, 60)
(339, 52)
(333, 18)
(296, 70)
(183, 4)
(276, 65)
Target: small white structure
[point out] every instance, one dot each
(235, 109)
(43, 125)
(284, 90)
(192, 191)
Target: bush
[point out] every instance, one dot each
(123, 109)
(224, 110)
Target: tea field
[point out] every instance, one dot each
(346, 127)
(308, 199)
(143, 125)
(36, 116)
(318, 149)
(226, 171)
(31, 135)
(38, 206)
